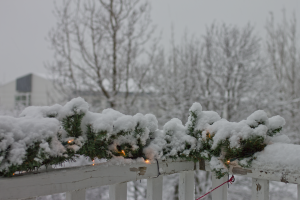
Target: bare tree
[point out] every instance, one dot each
(175, 80)
(231, 66)
(283, 57)
(222, 70)
(99, 47)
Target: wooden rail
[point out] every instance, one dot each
(75, 180)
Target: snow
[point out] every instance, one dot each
(154, 149)
(19, 133)
(76, 105)
(276, 122)
(258, 117)
(80, 161)
(256, 125)
(278, 156)
(152, 122)
(39, 123)
(207, 118)
(41, 111)
(216, 164)
(173, 140)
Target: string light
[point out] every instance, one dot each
(228, 161)
(147, 161)
(123, 152)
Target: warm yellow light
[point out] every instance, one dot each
(13, 174)
(93, 164)
(147, 161)
(123, 152)
(69, 141)
(228, 161)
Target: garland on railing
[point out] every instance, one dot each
(51, 135)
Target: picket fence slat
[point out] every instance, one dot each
(118, 191)
(155, 188)
(260, 189)
(75, 195)
(298, 191)
(221, 192)
(187, 185)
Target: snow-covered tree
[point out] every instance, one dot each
(231, 67)
(99, 48)
(283, 59)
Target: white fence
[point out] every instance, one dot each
(75, 180)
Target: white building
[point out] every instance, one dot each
(28, 90)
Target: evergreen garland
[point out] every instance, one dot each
(94, 143)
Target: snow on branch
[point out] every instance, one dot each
(50, 135)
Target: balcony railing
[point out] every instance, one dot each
(75, 180)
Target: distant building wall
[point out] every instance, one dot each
(7, 95)
(28, 90)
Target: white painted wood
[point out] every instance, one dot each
(278, 175)
(298, 191)
(221, 192)
(187, 185)
(33, 198)
(76, 178)
(75, 195)
(260, 189)
(155, 188)
(118, 191)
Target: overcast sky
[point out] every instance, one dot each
(24, 25)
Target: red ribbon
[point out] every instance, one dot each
(231, 180)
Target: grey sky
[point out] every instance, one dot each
(24, 25)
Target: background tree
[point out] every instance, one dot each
(222, 70)
(283, 59)
(99, 48)
(175, 80)
(231, 69)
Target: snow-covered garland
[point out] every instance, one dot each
(50, 135)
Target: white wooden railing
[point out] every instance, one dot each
(75, 180)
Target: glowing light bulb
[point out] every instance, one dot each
(147, 161)
(123, 152)
(69, 141)
(13, 174)
(228, 161)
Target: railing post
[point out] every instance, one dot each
(187, 185)
(154, 188)
(260, 189)
(75, 195)
(298, 191)
(221, 192)
(118, 191)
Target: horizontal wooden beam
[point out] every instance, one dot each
(78, 178)
(278, 175)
